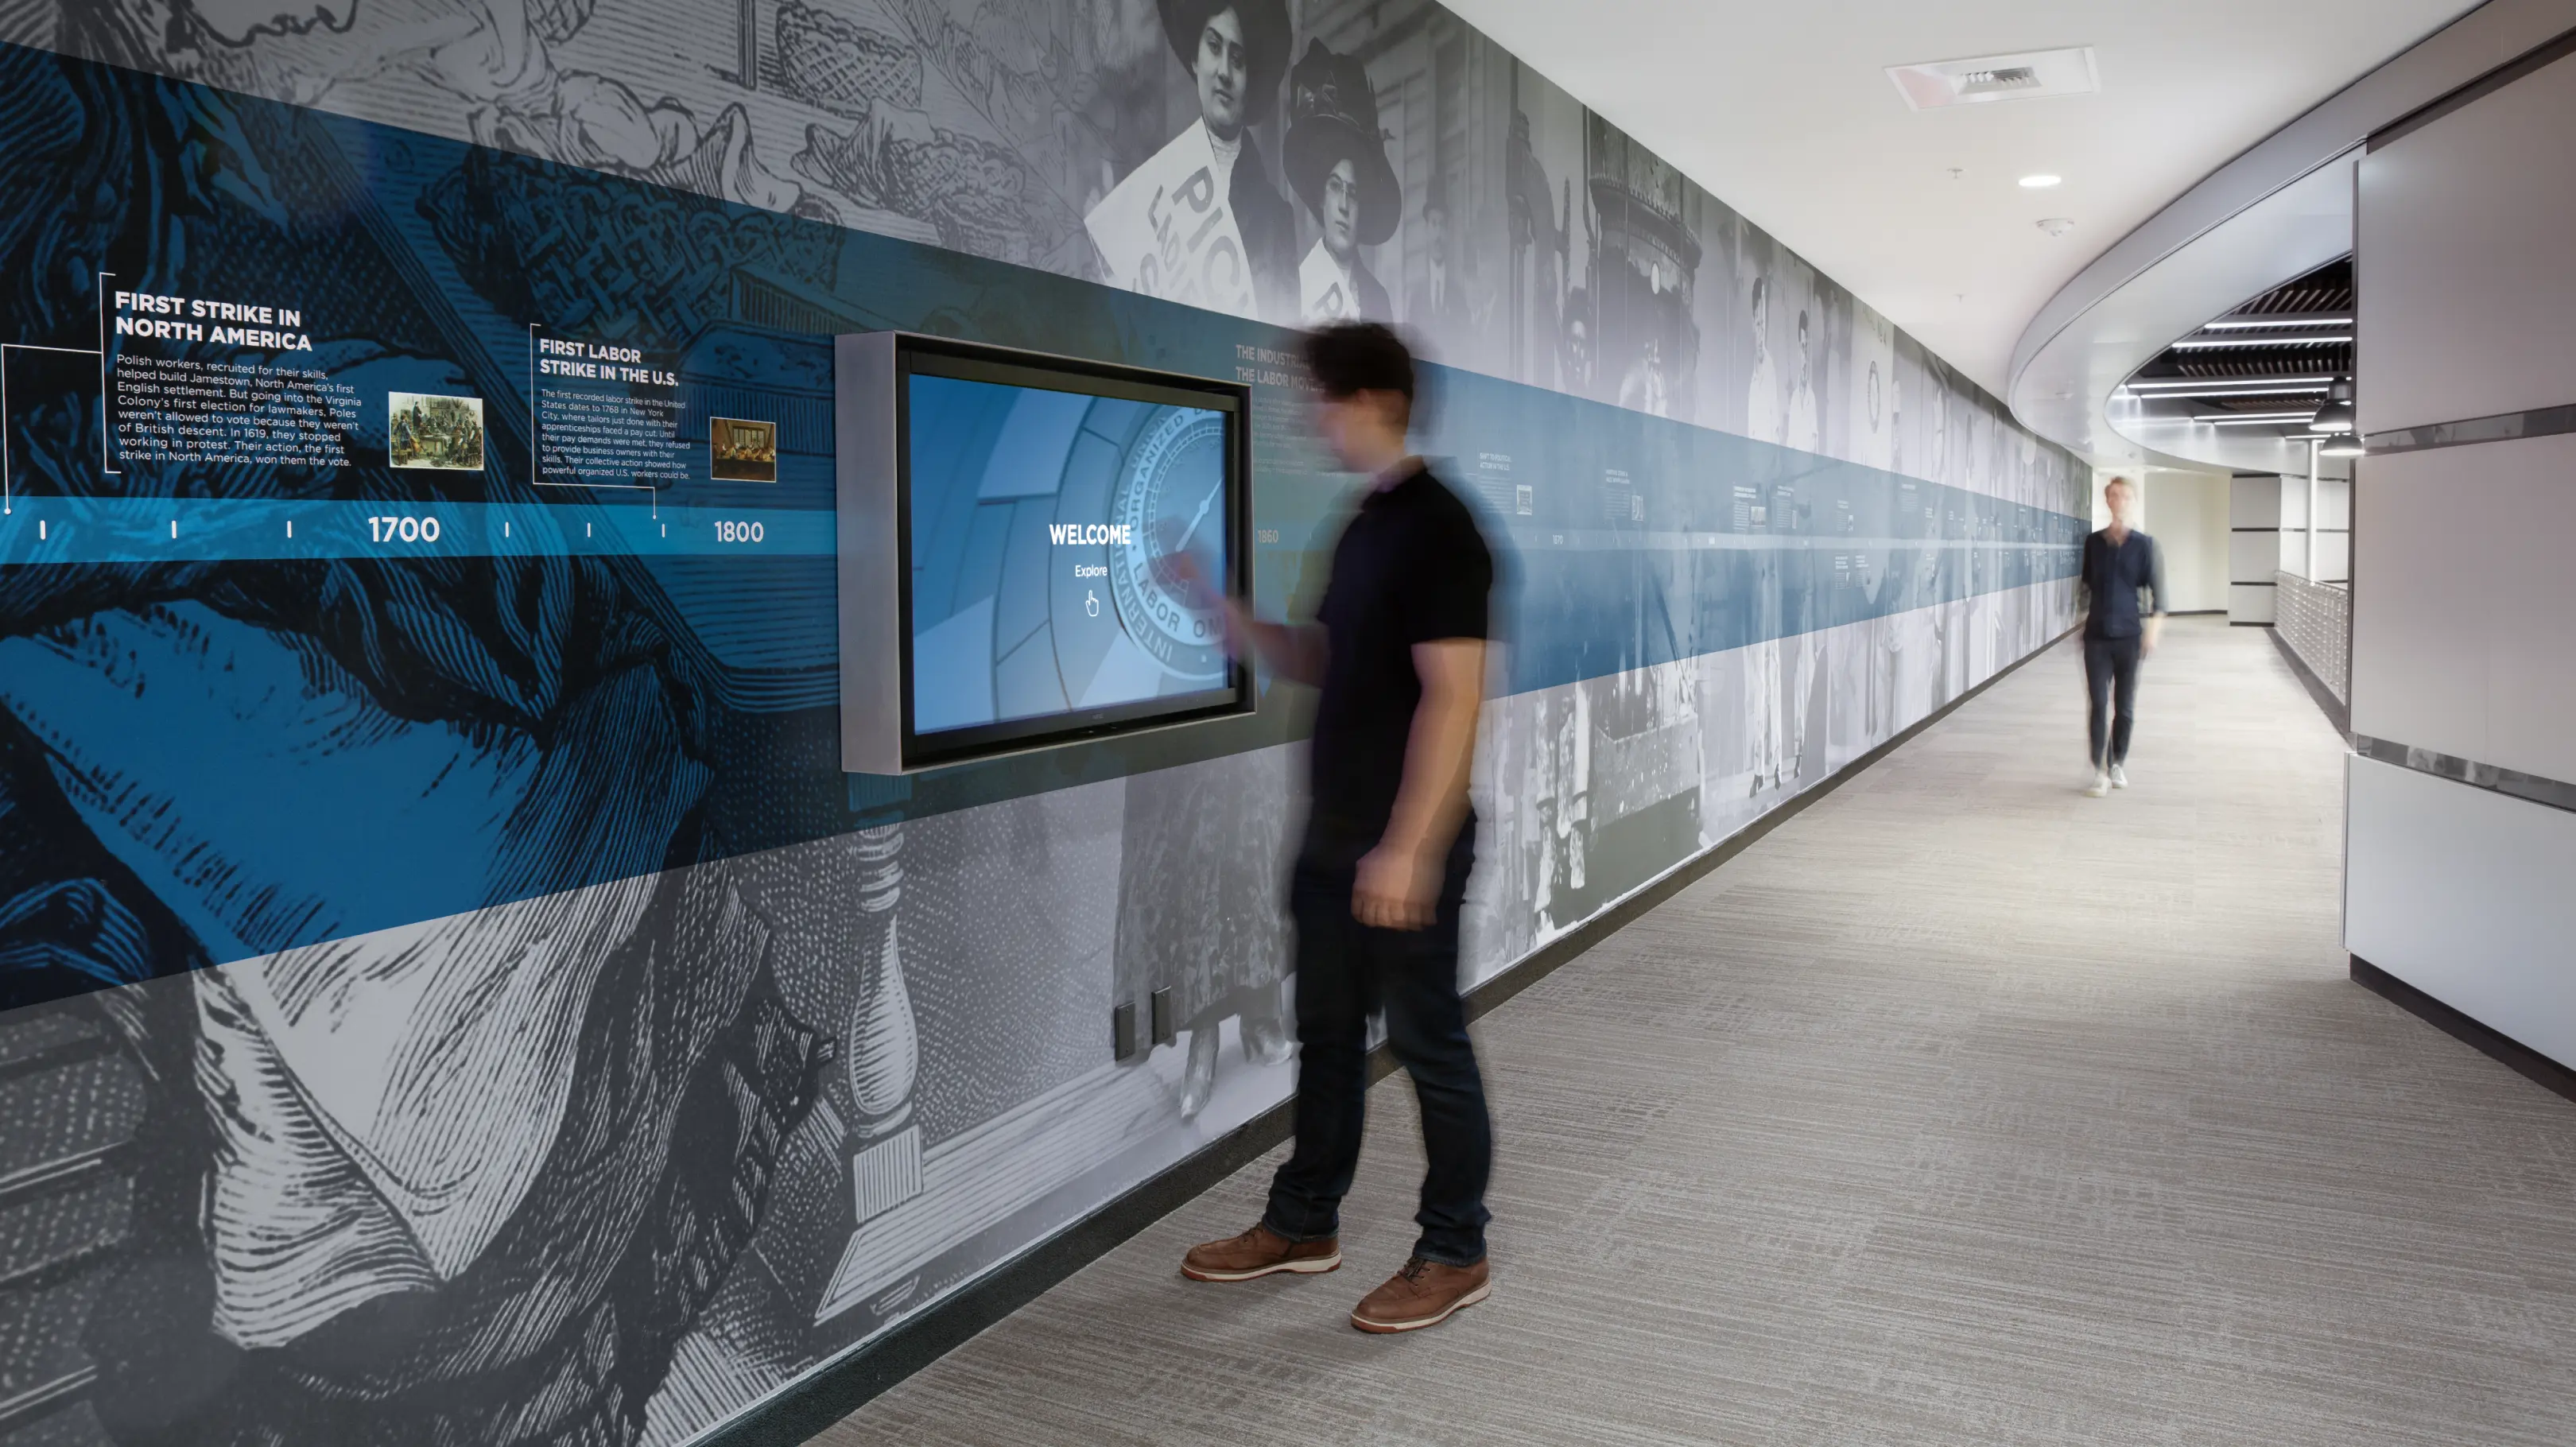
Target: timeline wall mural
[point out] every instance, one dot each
(451, 992)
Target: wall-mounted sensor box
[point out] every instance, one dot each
(1122, 1030)
(1030, 549)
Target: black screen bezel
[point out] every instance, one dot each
(974, 362)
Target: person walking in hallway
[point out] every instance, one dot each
(1398, 650)
(2118, 561)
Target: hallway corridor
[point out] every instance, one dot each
(1961, 1109)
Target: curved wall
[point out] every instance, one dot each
(2280, 209)
(2462, 791)
(455, 996)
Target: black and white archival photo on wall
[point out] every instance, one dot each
(460, 985)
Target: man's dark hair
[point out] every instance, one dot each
(1348, 358)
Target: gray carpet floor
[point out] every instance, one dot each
(1961, 1109)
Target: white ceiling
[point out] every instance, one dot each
(1783, 110)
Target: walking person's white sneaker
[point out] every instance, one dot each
(2119, 777)
(2100, 786)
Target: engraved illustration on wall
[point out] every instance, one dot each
(455, 996)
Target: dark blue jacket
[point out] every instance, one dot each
(2113, 574)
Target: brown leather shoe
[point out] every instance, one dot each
(1424, 1293)
(1258, 1252)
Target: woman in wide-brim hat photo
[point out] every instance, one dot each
(1234, 51)
(1337, 164)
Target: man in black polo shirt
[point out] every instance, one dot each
(2118, 561)
(1398, 649)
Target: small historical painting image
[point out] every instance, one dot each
(744, 451)
(440, 432)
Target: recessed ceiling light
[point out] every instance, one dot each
(2040, 182)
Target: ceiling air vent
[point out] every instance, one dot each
(1977, 84)
(2027, 76)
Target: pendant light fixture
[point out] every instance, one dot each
(2336, 415)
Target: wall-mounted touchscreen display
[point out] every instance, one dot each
(1061, 531)
(1047, 533)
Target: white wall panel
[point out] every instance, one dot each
(2254, 502)
(2292, 556)
(2462, 606)
(2463, 893)
(2191, 511)
(2468, 295)
(2254, 556)
(2334, 502)
(2419, 628)
(2531, 617)
(2334, 557)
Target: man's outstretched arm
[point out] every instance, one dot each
(1293, 651)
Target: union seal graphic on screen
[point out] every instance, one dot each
(1169, 502)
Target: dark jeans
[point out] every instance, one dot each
(2111, 664)
(1345, 970)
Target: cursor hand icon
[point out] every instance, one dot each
(1091, 603)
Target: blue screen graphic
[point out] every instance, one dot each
(1044, 528)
